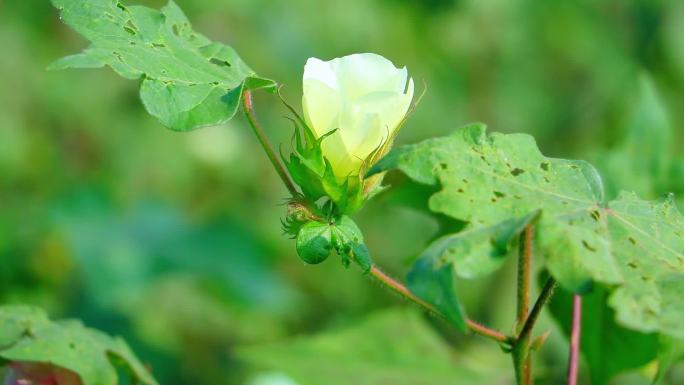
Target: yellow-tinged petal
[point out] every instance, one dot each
(364, 96)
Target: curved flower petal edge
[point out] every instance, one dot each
(362, 96)
(353, 108)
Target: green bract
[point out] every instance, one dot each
(188, 80)
(317, 239)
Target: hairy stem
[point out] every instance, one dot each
(263, 140)
(524, 271)
(521, 357)
(544, 298)
(573, 361)
(521, 345)
(403, 291)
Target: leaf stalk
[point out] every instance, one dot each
(265, 144)
(573, 360)
(404, 292)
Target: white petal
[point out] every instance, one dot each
(364, 73)
(321, 106)
(320, 70)
(364, 96)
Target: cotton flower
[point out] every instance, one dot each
(362, 96)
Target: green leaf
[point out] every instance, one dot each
(634, 246)
(391, 347)
(602, 337)
(671, 350)
(643, 160)
(648, 239)
(314, 242)
(435, 284)
(470, 254)
(188, 81)
(478, 252)
(26, 335)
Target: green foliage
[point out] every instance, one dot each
(188, 80)
(645, 159)
(609, 349)
(470, 254)
(629, 243)
(648, 239)
(670, 351)
(390, 347)
(316, 240)
(27, 335)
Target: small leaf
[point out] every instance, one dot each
(470, 254)
(435, 284)
(27, 335)
(314, 242)
(188, 80)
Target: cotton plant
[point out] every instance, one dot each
(623, 256)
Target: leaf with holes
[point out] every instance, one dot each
(633, 246)
(188, 80)
(648, 243)
(27, 335)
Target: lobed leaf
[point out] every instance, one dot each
(188, 81)
(27, 335)
(632, 246)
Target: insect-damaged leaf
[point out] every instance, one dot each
(633, 246)
(188, 81)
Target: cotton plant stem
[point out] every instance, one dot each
(524, 271)
(573, 360)
(403, 291)
(544, 298)
(521, 346)
(521, 357)
(263, 140)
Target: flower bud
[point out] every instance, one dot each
(365, 98)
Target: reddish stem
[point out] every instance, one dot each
(573, 361)
(402, 290)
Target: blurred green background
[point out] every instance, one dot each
(173, 240)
